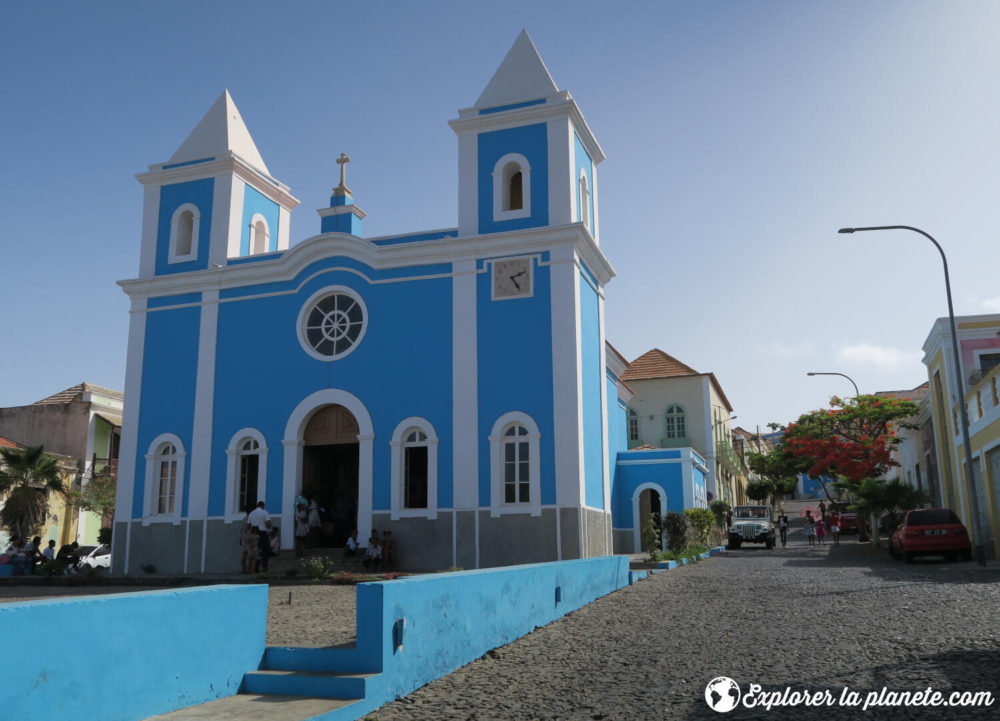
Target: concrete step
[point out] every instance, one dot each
(255, 707)
(317, 684)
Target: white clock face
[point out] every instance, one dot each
(512, 278)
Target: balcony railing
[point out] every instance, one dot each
(104, 466)
(676, 442)
(728, 457)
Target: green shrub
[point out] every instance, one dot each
(104, 537)
(675, 525)
(719, 509)
(701, 521)
(651, 535)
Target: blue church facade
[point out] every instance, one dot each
(450, 386)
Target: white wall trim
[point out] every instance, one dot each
(173, 256)
(497, 505)
(128, 452)
(636, 521)
(397, 509)
(151, 496)
(465, 379)
(500, 177)
(564, 276)
(258, 218)
(204, 406)
(233, 454)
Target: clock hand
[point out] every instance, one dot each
(513, 279)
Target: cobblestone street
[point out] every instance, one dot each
(815, 619)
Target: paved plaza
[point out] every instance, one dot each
(816, 619)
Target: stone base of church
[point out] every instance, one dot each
(163, 546)
(421, 544)
(624, 540)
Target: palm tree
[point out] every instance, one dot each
(27, 478)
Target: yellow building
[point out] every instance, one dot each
(61, 519)
(979, 350)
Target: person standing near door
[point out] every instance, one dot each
(260, 519)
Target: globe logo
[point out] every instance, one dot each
(722, 694)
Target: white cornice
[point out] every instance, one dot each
(231, 163)
(380, 257)
(557, 106)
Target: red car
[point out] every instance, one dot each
(848, 519)
(931, 532)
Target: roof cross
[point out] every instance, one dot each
(342, 161)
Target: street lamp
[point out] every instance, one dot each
(969, 476)
(831, 373)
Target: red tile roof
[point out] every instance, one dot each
(8, 443)
(656, 364)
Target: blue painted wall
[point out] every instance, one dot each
(584, 163)
(668, 474)
(531, 141)
(258, 349)
(169, 372)
(515, 370)
(129, 656)
(256, 202)
(200, 193)
(448, 620)
(592, 376)
(617, 429)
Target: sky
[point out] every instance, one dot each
(739, 135)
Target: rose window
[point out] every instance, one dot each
(333, 325)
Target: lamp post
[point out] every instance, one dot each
(969, 475)
(831, 373)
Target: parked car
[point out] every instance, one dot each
(931, 532)
(848, 519)
(95, 556)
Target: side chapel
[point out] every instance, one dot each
(449, 385)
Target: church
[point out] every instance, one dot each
(450, 386)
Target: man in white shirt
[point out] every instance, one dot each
(261, 520)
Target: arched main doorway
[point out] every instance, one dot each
(330, 471)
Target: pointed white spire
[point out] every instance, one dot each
(222, 129)
(521, 76)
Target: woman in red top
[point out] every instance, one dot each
(835, 527)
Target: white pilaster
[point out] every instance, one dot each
(129, 451)
(565, 377)
(284, 228)
(562, 199)
(204, 397)
(150, 225)
(596, 230)
(468, 184)
(465, 385)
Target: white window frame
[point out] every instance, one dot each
(397, 468)
(682, 414)
(172, 255)
(300, 323)
(258, 218)
(233, 454)
(154, 457)
(584, 199)
(497, 505)
(500, 187)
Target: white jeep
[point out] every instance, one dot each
(751, 524)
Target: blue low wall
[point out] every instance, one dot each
(414, 630)
(128, 656)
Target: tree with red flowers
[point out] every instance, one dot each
(852, 440)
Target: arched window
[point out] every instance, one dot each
(514, 450)
(515, 197)
(511, 188)
(584, 200)
(260, 235)
(414, 469)
(184, 234)
(674, 422)
(633, 426)
(246, 471)
(164, 479)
